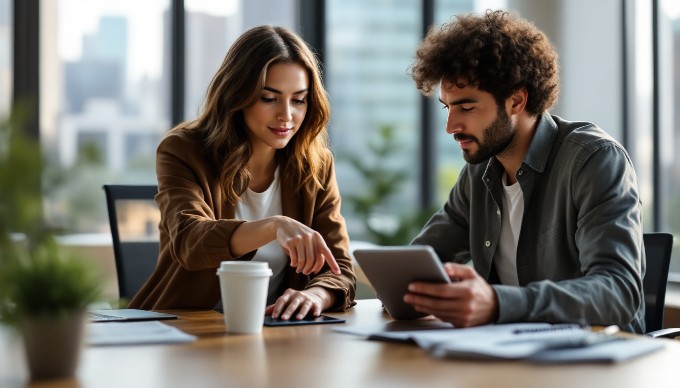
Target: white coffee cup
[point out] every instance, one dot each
(244, 286)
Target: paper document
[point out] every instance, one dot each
(535, 342)
(396, 328)
(135, 333)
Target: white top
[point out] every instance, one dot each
(254, 206)
(511, 223)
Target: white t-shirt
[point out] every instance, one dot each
(511, 223)
(254, 206)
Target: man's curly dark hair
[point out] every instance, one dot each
(497, 52)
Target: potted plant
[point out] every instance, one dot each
(381, 181)
(44, 290)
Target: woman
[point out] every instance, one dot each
(252, 178)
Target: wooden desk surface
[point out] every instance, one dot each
(316, 356)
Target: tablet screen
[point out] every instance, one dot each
(391, 269)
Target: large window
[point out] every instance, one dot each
(449, 157)
(639, 89)
(375, 111)
(5, 57)
(101, 86)
(668, 35)
(211, 27)
(369, 48)
(106, 84)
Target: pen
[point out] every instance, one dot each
(556, 327)
(565, 336)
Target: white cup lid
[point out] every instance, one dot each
(259, 268)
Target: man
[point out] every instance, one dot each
(547, 210)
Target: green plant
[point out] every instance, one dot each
(46, 282)
(381, 182)
(20, 171)
(37, 277)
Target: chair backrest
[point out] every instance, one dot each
(658, 249)
(133, 217)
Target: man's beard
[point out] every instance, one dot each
(497, 137)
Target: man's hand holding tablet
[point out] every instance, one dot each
(468, 301)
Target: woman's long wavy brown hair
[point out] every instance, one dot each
(237, 85)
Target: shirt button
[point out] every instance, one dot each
(487, 180)
(520, 172)
(498, 212)
(487, 243)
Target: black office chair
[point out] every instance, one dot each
(133, 216)
(658, 249)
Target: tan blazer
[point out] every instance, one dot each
(197, 224)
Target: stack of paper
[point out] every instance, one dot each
(536, 342)
(135, 333)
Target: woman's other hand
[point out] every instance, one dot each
(301, 303)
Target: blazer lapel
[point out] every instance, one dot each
(291, 206)
(291, 199)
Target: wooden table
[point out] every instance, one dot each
(316, 356)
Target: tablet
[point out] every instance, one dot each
(391, 269)
(308, 320)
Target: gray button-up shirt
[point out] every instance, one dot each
(580, 255)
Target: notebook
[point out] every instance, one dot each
(121, 315)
